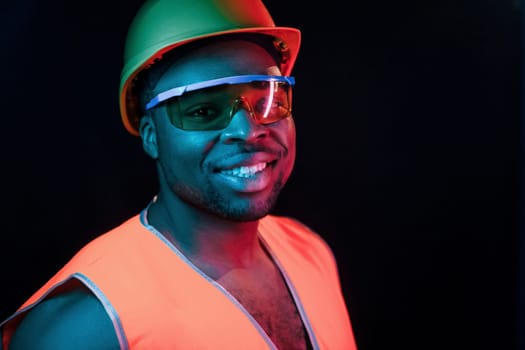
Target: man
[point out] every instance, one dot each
(207, 87)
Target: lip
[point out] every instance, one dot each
(245, 159)
(257, 182)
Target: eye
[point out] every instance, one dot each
(272, 108)
(202, 112)
(203, 116)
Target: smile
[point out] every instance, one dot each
(244, 171)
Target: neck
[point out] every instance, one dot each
(213, 244)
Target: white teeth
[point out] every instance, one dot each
(245, 171)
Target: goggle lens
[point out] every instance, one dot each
(267, 99)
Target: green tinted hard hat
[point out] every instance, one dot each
(162, 25)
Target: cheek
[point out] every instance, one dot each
(181, 152)
(184, 151)
(291, 136)
(288, 139)
(180, 149)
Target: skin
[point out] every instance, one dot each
(211, 217)
(76, 317)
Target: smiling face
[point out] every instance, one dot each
(236, 172)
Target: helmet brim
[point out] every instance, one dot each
(129, 109)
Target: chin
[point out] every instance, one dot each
(244, 215)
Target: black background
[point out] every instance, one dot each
(408, 118)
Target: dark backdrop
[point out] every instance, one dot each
(408, 118)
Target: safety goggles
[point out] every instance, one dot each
(211, 104)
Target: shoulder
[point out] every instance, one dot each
(292, 237)
(296, 234)
(293, 229)
(76, 317)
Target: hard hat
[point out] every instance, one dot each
(162, 25)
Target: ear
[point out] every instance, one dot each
(148, 133)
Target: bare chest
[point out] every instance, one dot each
(271, 305)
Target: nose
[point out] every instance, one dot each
(243, 126)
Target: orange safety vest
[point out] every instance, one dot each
(149, 289)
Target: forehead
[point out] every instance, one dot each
(217, 60)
